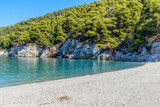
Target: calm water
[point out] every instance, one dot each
(16, 71)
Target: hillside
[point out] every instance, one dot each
(112, 23)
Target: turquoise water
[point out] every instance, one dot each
(16, 71)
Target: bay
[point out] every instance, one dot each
(20, 70)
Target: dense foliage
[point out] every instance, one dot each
(113, 22)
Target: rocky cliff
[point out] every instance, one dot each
(29, 51)
(148, 55)
(74, 49)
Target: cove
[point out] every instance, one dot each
(20, 70)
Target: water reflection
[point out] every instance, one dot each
(18, 70)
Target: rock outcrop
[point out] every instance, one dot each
(74, 49)
(32, 51)
(4, 52)
(151, 55)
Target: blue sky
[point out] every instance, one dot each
(13, 11)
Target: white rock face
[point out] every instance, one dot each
(49, 52)
(30, 51)
(4, 52)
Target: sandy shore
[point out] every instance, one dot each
(137, 87)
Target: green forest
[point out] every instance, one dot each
(114, 22)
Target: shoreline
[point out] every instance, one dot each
(74, 49)
(79, 59)
(138, 86)
(80, 76)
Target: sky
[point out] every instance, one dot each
(13, 11)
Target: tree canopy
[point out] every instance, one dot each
(115, 22)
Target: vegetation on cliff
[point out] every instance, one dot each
(106, 23)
